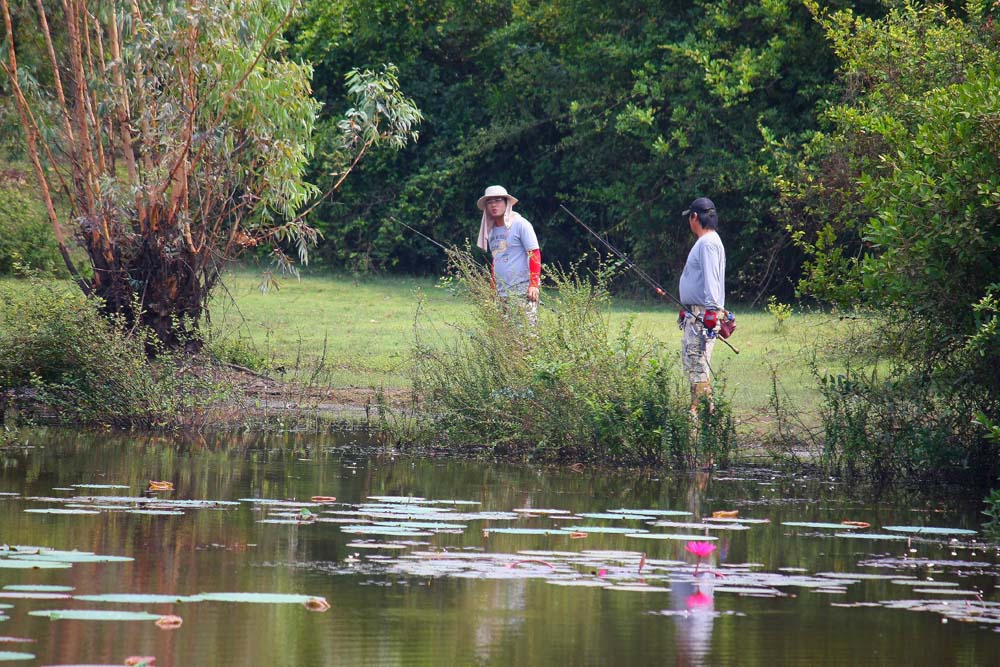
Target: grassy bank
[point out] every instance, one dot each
(360, 333)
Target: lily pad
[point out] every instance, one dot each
(10, 656)
(651, 512)
(94, 615)
(38, 588)
(133, 598)
(871, 536)
(673, 536)
(925, 583)
(611, 515)
(527, 531)
(700, 526)
(73, 557)
(929, 530)
(760, 591)
(60, 510)
(816, 524)
(29, 564)
(100, 486)
(256, 598)
(27, 595)
(384, 530)
(603, 529)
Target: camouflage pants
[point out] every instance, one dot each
(530, 308)
(696, 347)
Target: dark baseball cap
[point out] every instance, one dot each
(699, 205)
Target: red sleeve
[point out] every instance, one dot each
(535, 267)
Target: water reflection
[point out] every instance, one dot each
(387, 614)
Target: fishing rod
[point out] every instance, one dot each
(420, 233)
(629, 264)
(447, 249)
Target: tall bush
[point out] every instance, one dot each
(25, 235)
(898, 209)
(570, 389)
(64, 355)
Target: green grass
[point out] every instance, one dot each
(359, 333)
(365, 328)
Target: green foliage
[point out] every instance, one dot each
(623, 111)
(992, 502)
(570, 389)
(25, 234)
(85, 368)
(780, 312)
(897, 208)
(893, 427)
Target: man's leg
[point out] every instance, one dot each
(531, 311)
(696, 351)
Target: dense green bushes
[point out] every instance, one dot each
(898, 210)
(57, 348)
(568, 390)
(25, 235)
(625, 111)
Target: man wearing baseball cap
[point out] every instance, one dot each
(517, 259)
(702, 291)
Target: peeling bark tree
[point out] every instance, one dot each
(179, 138)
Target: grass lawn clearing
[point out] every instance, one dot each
(338, 331)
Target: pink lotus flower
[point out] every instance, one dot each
(700, 549)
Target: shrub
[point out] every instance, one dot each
(569, 389)
(84, 367)
(901, 427)
(780, 311)
(25, 235)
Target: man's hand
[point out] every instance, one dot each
(533, 294)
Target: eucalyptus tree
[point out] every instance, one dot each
(170, 137)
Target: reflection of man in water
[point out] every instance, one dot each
(693, 629)
(695, 597)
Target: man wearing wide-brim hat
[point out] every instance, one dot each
(517, 258)
(703, 293)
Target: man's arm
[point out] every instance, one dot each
(534, 273)
(712, 268)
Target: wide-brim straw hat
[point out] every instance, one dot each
(495, 191)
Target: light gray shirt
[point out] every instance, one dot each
(703, 282)
(510, 247)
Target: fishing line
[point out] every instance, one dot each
(629, 264)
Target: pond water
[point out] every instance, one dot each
(437, 561)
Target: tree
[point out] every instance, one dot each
(624, 111)
(179, 136)
(898, 210)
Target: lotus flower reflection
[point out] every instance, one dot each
(699, 549)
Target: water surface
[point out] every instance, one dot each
(452, 591)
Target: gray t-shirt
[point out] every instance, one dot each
(703, 282)
(510, 247)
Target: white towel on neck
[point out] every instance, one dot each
(509, 217)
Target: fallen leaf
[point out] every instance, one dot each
(725, 514)
(169, 622)
(140, 660)
(317, 604)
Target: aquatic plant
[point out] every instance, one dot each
(572, 388)
(700, 550)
